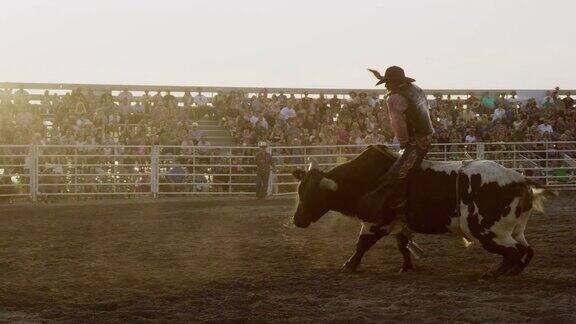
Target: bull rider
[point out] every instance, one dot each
(411, 125)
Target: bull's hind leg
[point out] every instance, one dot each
(369, 235)
(505, 237)
(516, 256)
(503, 246)
(524, 250)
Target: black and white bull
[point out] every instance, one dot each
(478, 200)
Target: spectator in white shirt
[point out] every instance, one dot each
(499, 113)
(253, 119)
(359, 140)
(470, 137)
(196, 133)
(125, 100)
(287, 113)
(83, 121)
(373, 101)
(200, 100)
(262, 122)
(114, 119)
(57, 167)
(544, 127)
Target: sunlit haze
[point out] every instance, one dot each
(442, 44)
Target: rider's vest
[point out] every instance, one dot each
(417, 114)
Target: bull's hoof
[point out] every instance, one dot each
(405, 269)
(491, 275)
(514, 270)
(349, 268)
(486, 275)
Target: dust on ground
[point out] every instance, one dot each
(236, 259)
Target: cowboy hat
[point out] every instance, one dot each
(393, 74)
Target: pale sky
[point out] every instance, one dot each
(521, 44)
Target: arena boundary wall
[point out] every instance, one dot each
(48, 172)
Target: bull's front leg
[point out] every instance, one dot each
(403, 239)
(369, 235)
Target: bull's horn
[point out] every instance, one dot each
(328, 184)
(313, 164)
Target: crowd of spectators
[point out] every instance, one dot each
(362, 119)
(82, 117)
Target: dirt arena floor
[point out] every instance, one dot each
(235, 259)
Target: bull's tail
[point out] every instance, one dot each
(538, 194)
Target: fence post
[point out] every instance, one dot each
(33, 172)
(480, 151)
(547, 172)
(271, 174)
(154, 171)
(230, 152)
(194, 160)
(76, 170)
(514, 157)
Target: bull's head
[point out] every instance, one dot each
(314, 192)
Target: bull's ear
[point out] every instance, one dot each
(298, 174)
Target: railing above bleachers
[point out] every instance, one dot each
(37, 88)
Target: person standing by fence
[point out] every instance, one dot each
(264, 164)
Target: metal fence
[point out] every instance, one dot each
(551, 163)
(40, 173)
